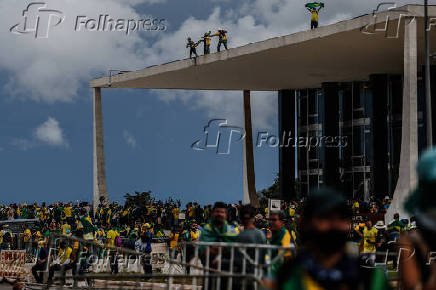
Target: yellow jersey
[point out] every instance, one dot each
(369, 239)
(314, 15)
(64, 255)
(27, 236)
(111, 235)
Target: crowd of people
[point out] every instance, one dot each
(322, 228)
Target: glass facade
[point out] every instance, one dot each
(369, 125)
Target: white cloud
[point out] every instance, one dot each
(52, 70)
(50, 133)
(129, 138)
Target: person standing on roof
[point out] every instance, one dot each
(314, 19)
(192, 47)
(206, 42)
(222, 35)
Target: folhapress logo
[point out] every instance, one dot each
(38, 20)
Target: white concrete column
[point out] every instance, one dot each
(250, 196)
(99, 163)
(409, 140)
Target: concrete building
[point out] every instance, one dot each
(358, 77)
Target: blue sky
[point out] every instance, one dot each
(46, 104)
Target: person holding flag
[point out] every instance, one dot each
(314, 9)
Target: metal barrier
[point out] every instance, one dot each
(195, 265)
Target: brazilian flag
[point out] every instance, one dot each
(316, 4)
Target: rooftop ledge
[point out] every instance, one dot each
(345, 51)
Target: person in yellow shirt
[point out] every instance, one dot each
(206, 42)
(146, 227)
(292, 211)
(62, 263)
(369, 242)
(110, 241)
(222, 35)
(314, 19)
(66, 229)
(175, 212)
(174, 239)
(356, 207)
(68, 210)
(27, 239)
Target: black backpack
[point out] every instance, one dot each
(7, 237)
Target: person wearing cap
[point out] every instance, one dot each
(382, 242)
(322, 262)
(417, 259)
(41, 262)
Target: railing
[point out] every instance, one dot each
(194, 265)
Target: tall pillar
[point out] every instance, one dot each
(409, 140)
(379, 127)
(331, 134)
(287, 150)
(99, 163)
(249, 176)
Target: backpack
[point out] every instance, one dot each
(7, 237)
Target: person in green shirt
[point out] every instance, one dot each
(322, 262)
(395, 228)
(217, 230)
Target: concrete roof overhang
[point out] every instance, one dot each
(345, 51)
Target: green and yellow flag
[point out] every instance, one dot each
(314, 5)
